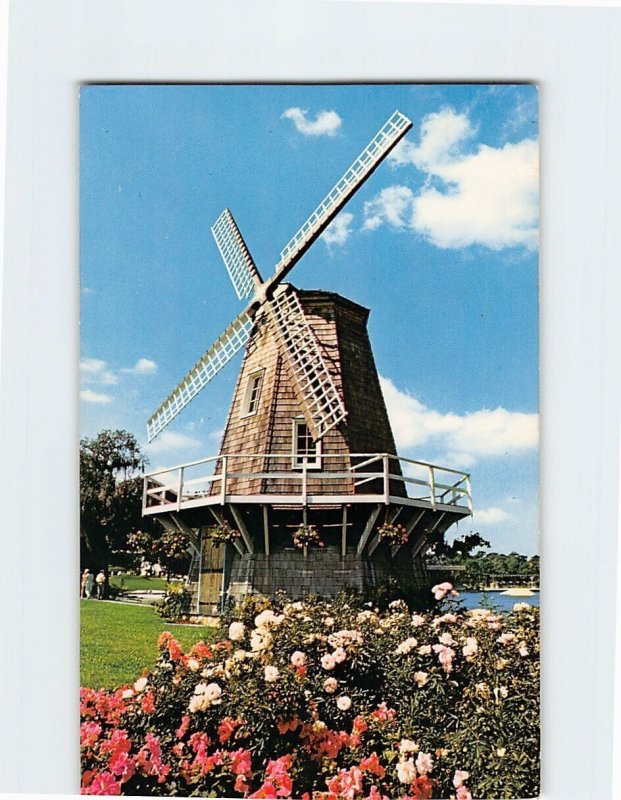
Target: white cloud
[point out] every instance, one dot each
(326, 123)
(441, 133)
(488, 197)
(108, 378)
(393, 206)
(489, 516)
(492, 200)
(144, 366)
(94, 397)
(92, 366)
(468, 437)
(94, 371)
(171, 440)
(339, 229)
(458, 460)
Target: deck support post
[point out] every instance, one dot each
(200, 570)
(344, 533)
(367, 529)
(416, 550)
(374, 544)
(242, 528)
(266, 530)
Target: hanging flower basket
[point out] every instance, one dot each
(393, 533)
(222, 533)
(307, 535)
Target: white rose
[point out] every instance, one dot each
(259, 640)
(237, 631)
(344, 703)
(424, 763)
(328, 662)
(140, 684)
(420, 678)
(330, 685)
(271, 674)
(298, 659)
(407, 646)
(339, 655)
(406, 771)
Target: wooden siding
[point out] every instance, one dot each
(340, 327)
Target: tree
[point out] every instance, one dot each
(111, 472)
(170, 549)
(455, 552)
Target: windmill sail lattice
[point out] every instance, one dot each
(219, 354)
(381, 144)
(322, 404)
(242, 270)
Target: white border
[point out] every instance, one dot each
(573, 53)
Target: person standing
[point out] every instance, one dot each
(100, 580)
(90, 580)
(83, 582)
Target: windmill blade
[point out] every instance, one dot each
(219, 354)
(242, 270)
(317, 393)
(366, 163)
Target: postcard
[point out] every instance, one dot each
(309, 536)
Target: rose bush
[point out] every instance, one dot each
(328, 699)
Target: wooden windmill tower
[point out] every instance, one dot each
(307, 440)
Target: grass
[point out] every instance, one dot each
(118, 640)
(137, 583)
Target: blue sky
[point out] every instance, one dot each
(440, 244)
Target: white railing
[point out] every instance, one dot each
(212, 479)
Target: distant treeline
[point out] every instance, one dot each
(483, 569)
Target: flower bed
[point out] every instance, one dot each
(318, 699)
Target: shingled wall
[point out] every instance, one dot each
(323, 572)
(340, 327)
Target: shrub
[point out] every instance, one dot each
(327, 700)
(176, 603)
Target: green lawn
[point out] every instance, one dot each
(118, 640)
(134, 583)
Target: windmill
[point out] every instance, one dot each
(307, 439)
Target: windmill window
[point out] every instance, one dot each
(252, 395)
(305, 449)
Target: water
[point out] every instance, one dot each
(502, 601)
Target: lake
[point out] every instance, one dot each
(502, 601)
